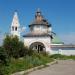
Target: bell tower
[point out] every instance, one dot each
(15, 26)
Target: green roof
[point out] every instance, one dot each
(56, 40)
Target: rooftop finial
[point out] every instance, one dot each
(15, 12)
(38, 10)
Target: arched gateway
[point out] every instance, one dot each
(40, 35)
(38, 46)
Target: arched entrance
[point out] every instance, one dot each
(38, 46)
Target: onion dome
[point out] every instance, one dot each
(39, 19)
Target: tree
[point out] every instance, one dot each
(13, 47)
(10, 44)
(7, 44)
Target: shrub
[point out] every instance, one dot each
(4, 62)
(3, 57)
(15, 48)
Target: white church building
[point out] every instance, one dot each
(41, 37)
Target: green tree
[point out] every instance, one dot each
(15, 48)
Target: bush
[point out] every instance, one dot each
(27, 62)
(55, 56)
(3, 57)
(15, 48)
(4, 62)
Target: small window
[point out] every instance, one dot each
(37, 26)
(12, 28)
(15, 28)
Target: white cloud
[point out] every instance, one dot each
(68, 38)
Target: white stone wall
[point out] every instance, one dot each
(17, 33)
(68, 52)
(40, 29)
(63, 52)
(54, 52)
(45, 40)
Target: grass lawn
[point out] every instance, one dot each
(62, 57)
(27, 62)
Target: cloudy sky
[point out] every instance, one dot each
(60, 13)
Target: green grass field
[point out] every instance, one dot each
(27, 62)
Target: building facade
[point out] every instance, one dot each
(39, 38)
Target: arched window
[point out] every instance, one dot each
(12, 28)
(15, 28)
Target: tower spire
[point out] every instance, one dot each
(15, 21)
(15, 25)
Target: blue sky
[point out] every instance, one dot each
(60, 13)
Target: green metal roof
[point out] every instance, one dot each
(56, 40)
